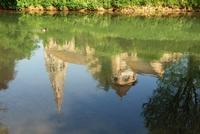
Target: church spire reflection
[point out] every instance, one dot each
(56, 69)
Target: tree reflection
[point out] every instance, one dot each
(16, 43)
(8, 58)
(175, 104)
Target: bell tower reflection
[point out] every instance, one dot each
(57, 58)
(123, 77)
(122, 74)
(56, 69)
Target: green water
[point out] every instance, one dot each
(94, 74)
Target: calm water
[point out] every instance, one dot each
(94, 74)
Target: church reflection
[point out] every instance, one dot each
(117, 72)
(115, 59)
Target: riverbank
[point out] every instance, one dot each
(143, 7)
(120, 6)
(134, 10)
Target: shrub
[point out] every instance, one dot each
(92, 4)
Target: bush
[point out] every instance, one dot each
(93, 4)
(8, 3)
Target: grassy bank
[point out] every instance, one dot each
(95, 4)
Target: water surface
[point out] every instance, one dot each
(99, 74)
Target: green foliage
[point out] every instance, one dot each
(94, 4)
(8, 3)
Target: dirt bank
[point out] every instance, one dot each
(133, 11)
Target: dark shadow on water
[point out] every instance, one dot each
(174, 107)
